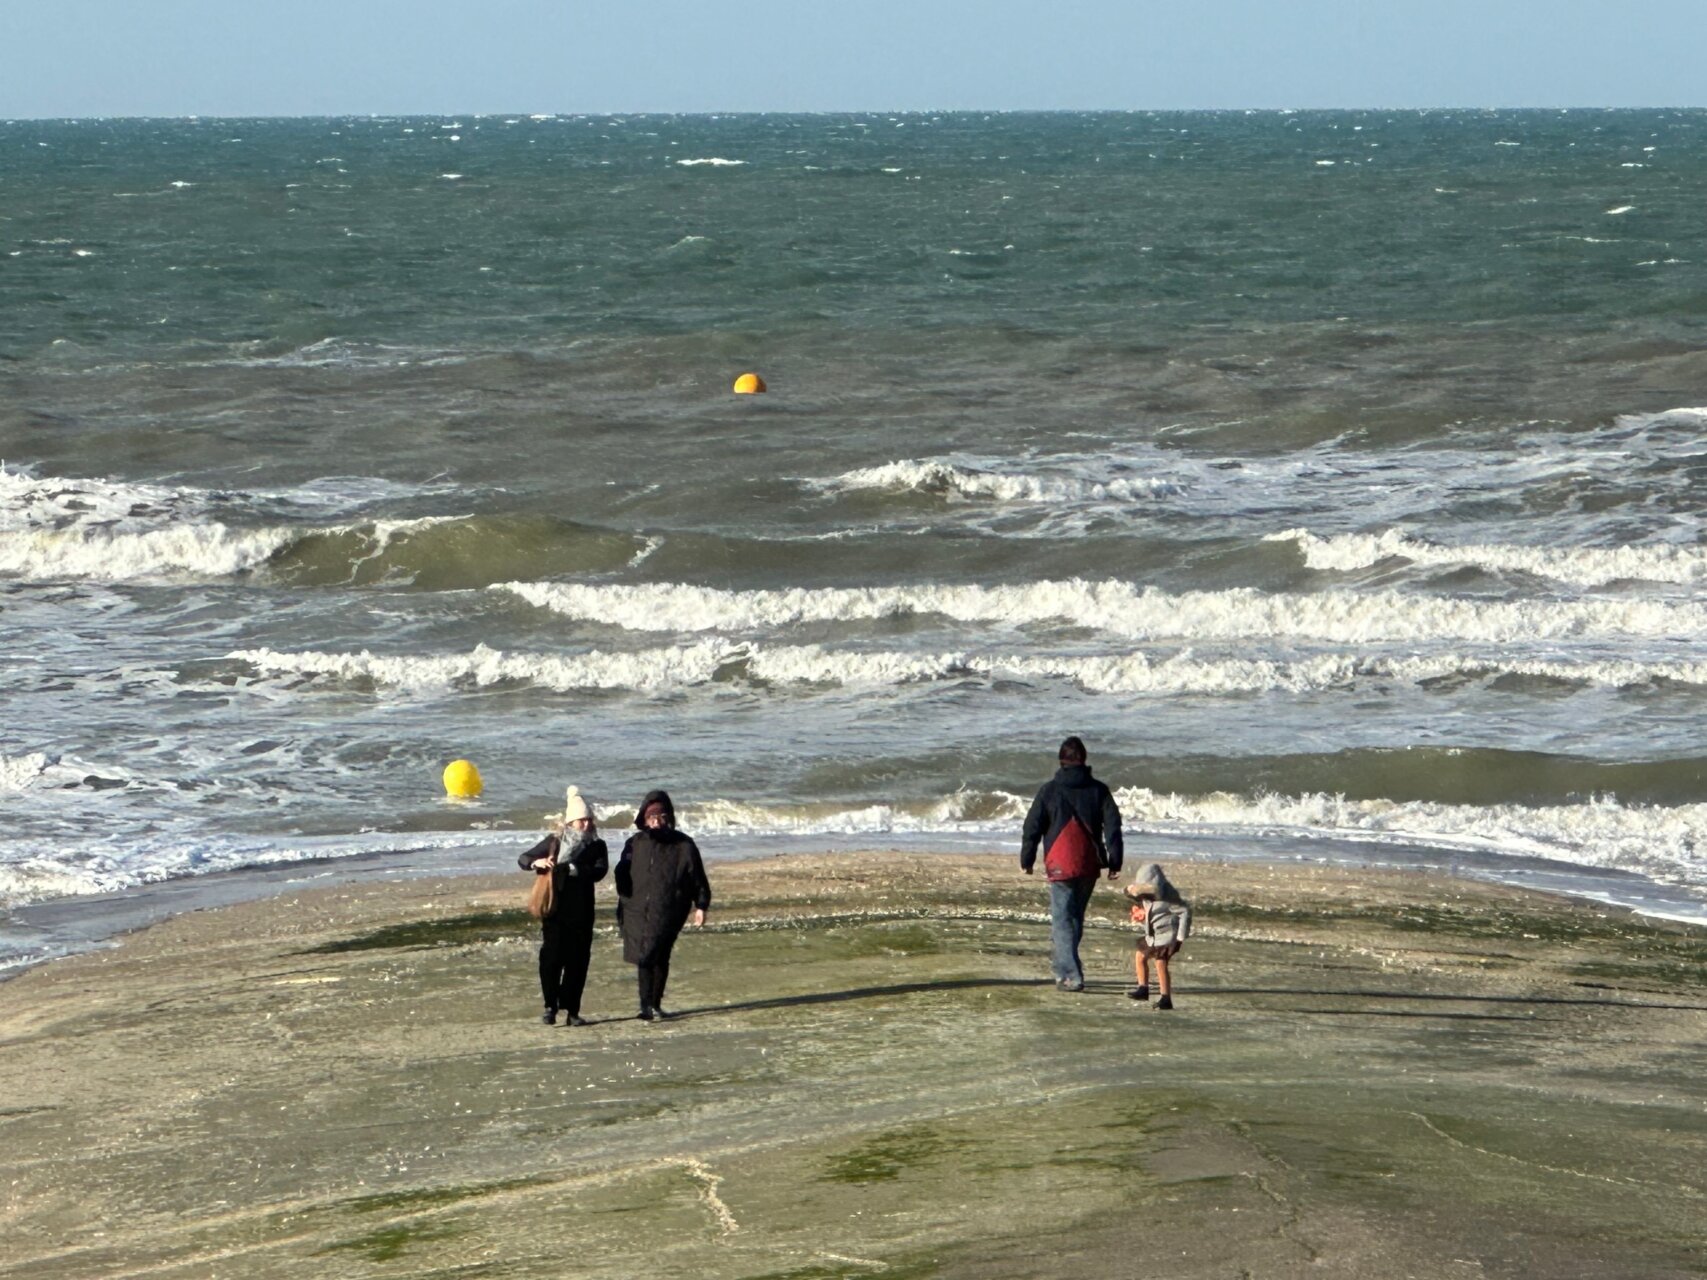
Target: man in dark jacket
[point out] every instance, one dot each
(1075, 819)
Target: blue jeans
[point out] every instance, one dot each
(1067, 902)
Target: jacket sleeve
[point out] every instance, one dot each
(1111, 837)
(1035, 823)
(1182, 912)
(625, 872)
(592, 860)
(540, 850)
(696, 870)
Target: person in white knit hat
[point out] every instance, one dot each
(576, 859)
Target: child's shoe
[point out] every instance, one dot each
(1166, 1002)
(1140, 994)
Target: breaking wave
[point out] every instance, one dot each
(1124, 609)
(1578, 566)
(99, 530)
(648, 670)
(943, 478)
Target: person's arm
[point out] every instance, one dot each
(701, 885)
(591, 861)
(625, 870)
(540, 852)
(1032, 832)
(1111, 839)
(1183, 912)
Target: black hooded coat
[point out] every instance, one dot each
(659, 880)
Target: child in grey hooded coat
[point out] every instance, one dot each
(1166, 920)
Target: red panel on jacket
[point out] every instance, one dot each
(1073, 856)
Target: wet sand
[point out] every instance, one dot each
(1368, 1074)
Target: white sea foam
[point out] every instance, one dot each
(962, 480)
(1135, 673)
(1579, 566)
(207, 550)
(644, 670)
(716, 161)
(117, 864)
(1664, 842)
(117, 531)
(1124, 609)
(19, 772)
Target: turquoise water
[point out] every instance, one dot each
(1335, 474)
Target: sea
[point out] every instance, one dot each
(1336, 475)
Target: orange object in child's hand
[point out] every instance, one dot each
(1137, 915)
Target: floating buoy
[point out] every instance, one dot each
(462, 780)
(749, 384)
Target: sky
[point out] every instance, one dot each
(356, 57)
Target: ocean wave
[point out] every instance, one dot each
(99, 530)
(1577, 566)
(116, 866)
(200, 550)
(956, 480)
(1124, 609)
(1664, 842)
(649, 670)
(645, 670)
(1661, 841)
(716, 162)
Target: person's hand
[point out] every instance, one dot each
(697, 918)
(542, 864)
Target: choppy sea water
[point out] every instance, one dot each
(1336, 475)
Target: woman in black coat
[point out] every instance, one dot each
(577, 860)
(660, 886)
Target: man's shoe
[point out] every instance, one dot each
(1140, 994)
(659, 1013)
(646, 1013)
(574, 1020)
(549, 1017)
(1166, 1002)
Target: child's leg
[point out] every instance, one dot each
(1162, 976)
(1141, 967)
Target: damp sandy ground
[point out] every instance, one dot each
(1368, 1074)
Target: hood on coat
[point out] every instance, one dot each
(1153, 880)
(656, 799)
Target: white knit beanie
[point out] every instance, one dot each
(575, 806)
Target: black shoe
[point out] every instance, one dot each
(1166, 1002)
(549, 1017)
(574, 1020)
(646, 1013)
(1140, 994)
(658, 1012)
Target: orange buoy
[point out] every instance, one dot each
(749, 384)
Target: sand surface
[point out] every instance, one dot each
(1368, 1074)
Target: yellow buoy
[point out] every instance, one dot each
(462, 780)
(749, 384)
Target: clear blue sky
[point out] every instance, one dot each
(330, 57)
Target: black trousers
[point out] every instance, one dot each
(564, 952)
(652, 978)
